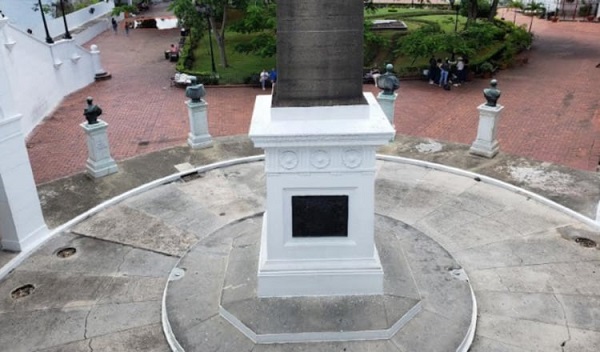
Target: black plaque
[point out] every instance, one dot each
(319, 216)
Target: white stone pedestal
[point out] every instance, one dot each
(486, 143)
(99, 163)
(22, 224)
(312, 154)
(198, 137)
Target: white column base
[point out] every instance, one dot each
(26, 242)
(317, 277)
(486, 144)
(22, 224)
(101, 168)
(485, 148)
(199, 142)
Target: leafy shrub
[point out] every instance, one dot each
(482, 33)
(486, 67)
(186, 61)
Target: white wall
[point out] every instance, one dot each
(91, 32)
(36, 76)
(22, 16)
(21, 12)
(56, 26)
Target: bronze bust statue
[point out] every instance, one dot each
(91, 111)
(388, 82)
(195, 91)
(492, 94)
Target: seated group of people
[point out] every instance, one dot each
(447, 72)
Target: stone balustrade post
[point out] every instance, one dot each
(99, 163)
(198, 137)
(100, 73)
(486, 143)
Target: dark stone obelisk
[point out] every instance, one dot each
(319, 53)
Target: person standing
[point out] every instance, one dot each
(375, 74)
(460, 71)
(126, 28)
(444, 69)
(432, 70)
(114, 24)
(264, 76)
(273, 77)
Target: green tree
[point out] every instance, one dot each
(471, 8)
(195, 13)
(514, 5)
(422, 42)
(258, 18)
(493, 9)
(481, 34)
(372, 42)
(533, 7)
(188, 17)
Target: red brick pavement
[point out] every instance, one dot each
(551, 104)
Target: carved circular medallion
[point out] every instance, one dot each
(319, 159)
(352, 158)
(288, 160)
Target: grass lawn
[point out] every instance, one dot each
(446, 21)
(240, 65)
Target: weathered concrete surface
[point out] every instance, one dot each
(106, 296)
(418, 278)
(66, 198)
(537, 286)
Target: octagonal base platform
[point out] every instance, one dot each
(211, 303)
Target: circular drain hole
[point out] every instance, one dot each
(585, 242)
(66, 252)
(22, 291)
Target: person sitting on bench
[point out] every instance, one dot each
(174, 52)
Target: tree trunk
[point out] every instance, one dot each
(493, 9)
(531, 22)
(220, 37)
(471, 12)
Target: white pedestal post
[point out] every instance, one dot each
(198, 113)
(22, 223)
(486, 143)
(320, 166)
(387, 102)
(98, 70)
(99, 162)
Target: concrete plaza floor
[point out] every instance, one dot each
(536, 284)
